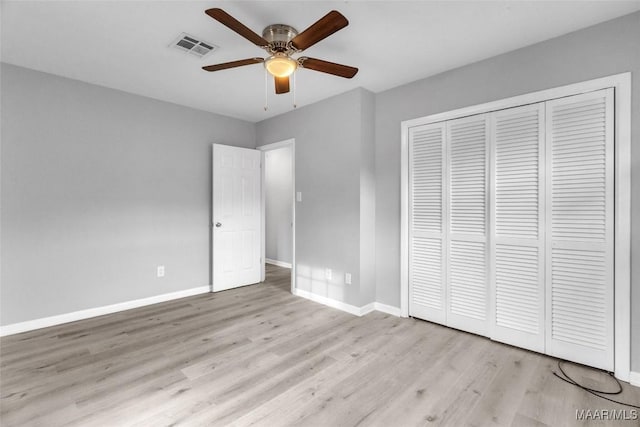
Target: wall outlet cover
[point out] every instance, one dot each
(160, 271)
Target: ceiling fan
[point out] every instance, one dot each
(281, 42)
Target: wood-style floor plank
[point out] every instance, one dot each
(258, 356)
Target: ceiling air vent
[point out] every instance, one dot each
(194, 46)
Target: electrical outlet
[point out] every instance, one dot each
(347, 278)
(160, 271)
(328, 274)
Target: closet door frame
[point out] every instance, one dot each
(621, 83)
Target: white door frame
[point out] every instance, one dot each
(622, 203)
(274, 146)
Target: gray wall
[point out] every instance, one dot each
(367, 200)
(598, 51)
(278, 176)
(328, 152)
(98, 188)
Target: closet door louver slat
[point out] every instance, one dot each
(517, 244)
(426, 235)
(467, 281)
(580, 228)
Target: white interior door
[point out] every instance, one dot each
(236, 217)
(580, 243)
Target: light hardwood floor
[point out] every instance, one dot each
(260, 356)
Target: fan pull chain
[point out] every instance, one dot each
(266, 84)
(294, 90)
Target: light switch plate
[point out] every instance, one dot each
(298, 196)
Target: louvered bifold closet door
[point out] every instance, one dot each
(580, 228)
(426, 226)
(517, 244)
(467, 278)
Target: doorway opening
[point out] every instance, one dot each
(278, 208)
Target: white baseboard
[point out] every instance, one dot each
(352, 309)
(366, 309)
(278, 263)
(45, 322)
(634, 378)
(389, 309)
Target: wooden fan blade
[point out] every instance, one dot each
(233, 64)
(282, 84)
(323, 28)
(232, 23)
(328, 67)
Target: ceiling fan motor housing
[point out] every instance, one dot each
(279, 36)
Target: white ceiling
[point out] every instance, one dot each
(124, 44)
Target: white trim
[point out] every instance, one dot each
(366, 309)
(389, 309)
(404, 222)
(529, 98)
(293, 215)
(622, 84)
(634, 378)
(351, 309)
(45, 322)
(278, 263)
(274, 146)
(622, 225)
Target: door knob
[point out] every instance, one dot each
(218, 224)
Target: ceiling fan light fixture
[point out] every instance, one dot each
(281, 41)
(280, 65)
